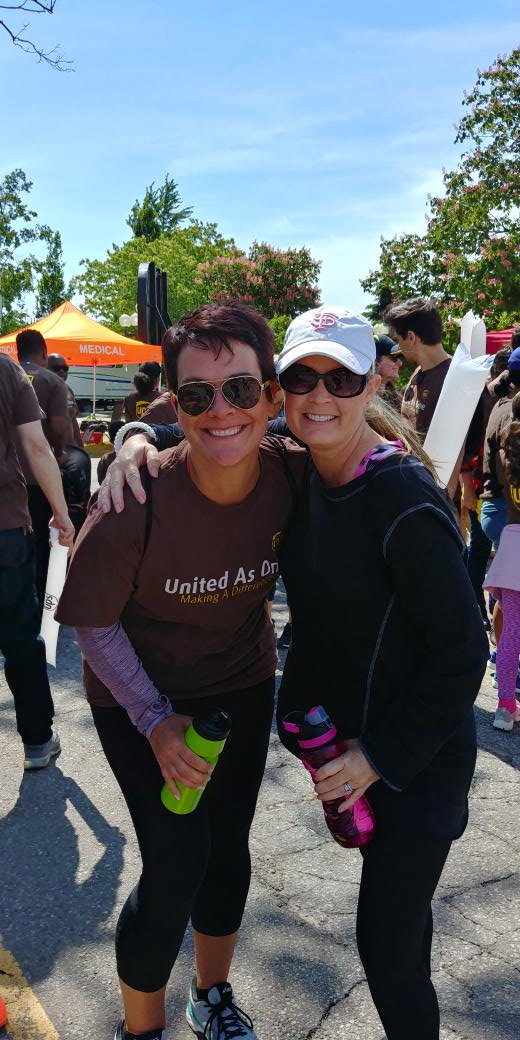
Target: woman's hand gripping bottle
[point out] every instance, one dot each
(319, 743)
(206, 737)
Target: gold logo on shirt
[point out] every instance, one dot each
(276, 541)
(515, 496)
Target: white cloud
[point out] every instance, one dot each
(344, 261)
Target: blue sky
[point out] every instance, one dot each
(322, 124)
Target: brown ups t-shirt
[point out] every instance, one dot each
(421, 395)
(193, 602)
(135, 404)
(161, 410)
(51, 392)
(18, 405)
(492, 472)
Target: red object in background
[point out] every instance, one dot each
(496, 340)
(3, 1013)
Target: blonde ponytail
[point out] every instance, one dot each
(390, 425)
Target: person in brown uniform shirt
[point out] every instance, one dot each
(56, 363)
(146, 382)
(418, 330)
(20, 643)
(172, 621)
(75, 462)
(161, 410)
(52, 397)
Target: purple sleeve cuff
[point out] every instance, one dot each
(114, 661)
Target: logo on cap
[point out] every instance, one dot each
(324, 320)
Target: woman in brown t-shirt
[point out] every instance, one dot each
(146, 382)
(169, 603)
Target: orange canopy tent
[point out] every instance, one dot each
(83, 341)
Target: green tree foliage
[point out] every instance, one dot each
(109, 286)
(279, 325)
(275, 281)
(159, 213)
(50, 290)
(470, 253)
(18, 229)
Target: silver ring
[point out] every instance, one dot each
(348, 789)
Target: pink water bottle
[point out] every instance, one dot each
(319, 742)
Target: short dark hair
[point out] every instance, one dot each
(30, 343)
(515, 337)
(417, 315)
(212, 326)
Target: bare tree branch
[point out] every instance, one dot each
(51, 57)
(33, 6)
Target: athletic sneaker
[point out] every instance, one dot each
(492, 660)
(216, 1016)
(37, 756)
(285, 640)
(505, 720)
(153, 1034)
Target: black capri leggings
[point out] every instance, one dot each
(197, 865)
(401, 871)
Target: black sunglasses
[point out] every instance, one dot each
(340, 382)
(240, 391)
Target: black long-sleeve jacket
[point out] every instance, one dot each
(388, 636)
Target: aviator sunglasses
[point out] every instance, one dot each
(340, 382)
(240, 391)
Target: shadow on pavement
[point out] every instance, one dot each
(51, 899)
(505, 746)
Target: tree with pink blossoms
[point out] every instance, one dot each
(274, 281)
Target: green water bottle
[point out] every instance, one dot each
(206, 737)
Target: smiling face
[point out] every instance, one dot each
(321, 420)
(224, 435)
(388, 367)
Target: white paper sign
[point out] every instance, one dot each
(458, 399)
(55, 581)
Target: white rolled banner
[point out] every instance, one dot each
(466, 328)
(478, 339)
(56, 575)
(473, 334)
(458, 399)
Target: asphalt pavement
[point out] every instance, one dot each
(68, 858)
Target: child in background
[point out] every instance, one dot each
(503, 578)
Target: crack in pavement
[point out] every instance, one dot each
(330, 1007)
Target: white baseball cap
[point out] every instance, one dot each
(333, 332)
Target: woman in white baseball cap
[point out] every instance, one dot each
(388, 636)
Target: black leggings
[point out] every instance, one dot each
(197, 865)
(401, 871)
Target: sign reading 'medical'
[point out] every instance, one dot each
(104, 349)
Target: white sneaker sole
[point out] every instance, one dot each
(194, 1027)
(41, 763)
(505, 726)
